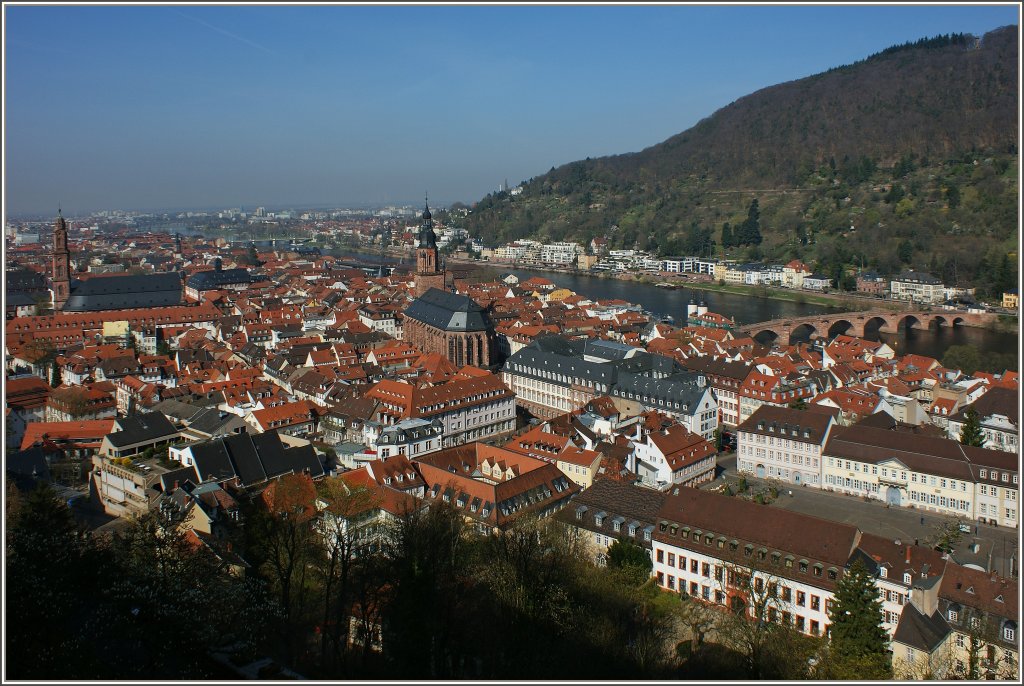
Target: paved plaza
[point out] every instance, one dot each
(996, 547)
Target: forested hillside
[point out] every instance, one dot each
(908, 158)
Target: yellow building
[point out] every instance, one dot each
(1011, 300)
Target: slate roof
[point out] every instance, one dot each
(920, 631)
(448, 311)
(253, 458)
(141, 428)
(768, 420)
(212, 279)
(125, 292)
(212, 421)
(23, 280)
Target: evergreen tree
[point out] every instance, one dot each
(727, 238)
(971, 433)
(749, 232)
(858, 636)
(54, 375)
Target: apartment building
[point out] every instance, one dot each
(922, 472)
(471, 408)
(784, 444)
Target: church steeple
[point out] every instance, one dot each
(427, 237)
(60, 276)
(429, 271)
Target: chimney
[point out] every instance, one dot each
(908, 555)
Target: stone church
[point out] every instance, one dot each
(441, 321)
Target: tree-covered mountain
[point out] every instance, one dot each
(877, 164)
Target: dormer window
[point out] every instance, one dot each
(952, 615)
(1009, 631)
(882, 572)
(906, 578)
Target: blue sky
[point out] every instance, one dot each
(197, 106)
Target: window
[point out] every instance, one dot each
(907, 578)
(952, 615)
(705, 569)
(661, 578)
(660, 555)
(1008, 632)
(815, 602)
(671, 560)
(671, 582)
(801, 598)
(803, 566)
(787, 594)
(960, 642)
(682, 563)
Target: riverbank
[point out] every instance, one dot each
(843, 301)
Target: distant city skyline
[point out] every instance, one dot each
(196, 106)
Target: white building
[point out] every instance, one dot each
(784, 444)
(932, 474)
(410, 437)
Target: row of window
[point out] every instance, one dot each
(789, 561)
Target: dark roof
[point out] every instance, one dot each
(939, 456)
(141, 428)
(212, 421)
(997, 400)
(448, 311)
(19, 299)
(23, 280)
(919, 631)
(916, 277)
(125, 292)
(252, 458)
(212, 279)
(784, 421)
(30, 463)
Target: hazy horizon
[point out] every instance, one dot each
(171, 108)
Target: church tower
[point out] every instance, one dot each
(60, 278)
(429, 272)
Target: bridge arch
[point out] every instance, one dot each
(765, 336)
(840, 326)
(910, 321)
(876, 324)
(804, 331)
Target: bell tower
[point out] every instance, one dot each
(429, 272)
(60, 277)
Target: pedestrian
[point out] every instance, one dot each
(975, 529)
(922, 521)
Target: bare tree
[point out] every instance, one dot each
(346, 514)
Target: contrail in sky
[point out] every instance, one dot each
(226, 33)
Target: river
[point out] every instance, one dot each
(747, 309)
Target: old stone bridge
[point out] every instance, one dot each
(858, 323)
